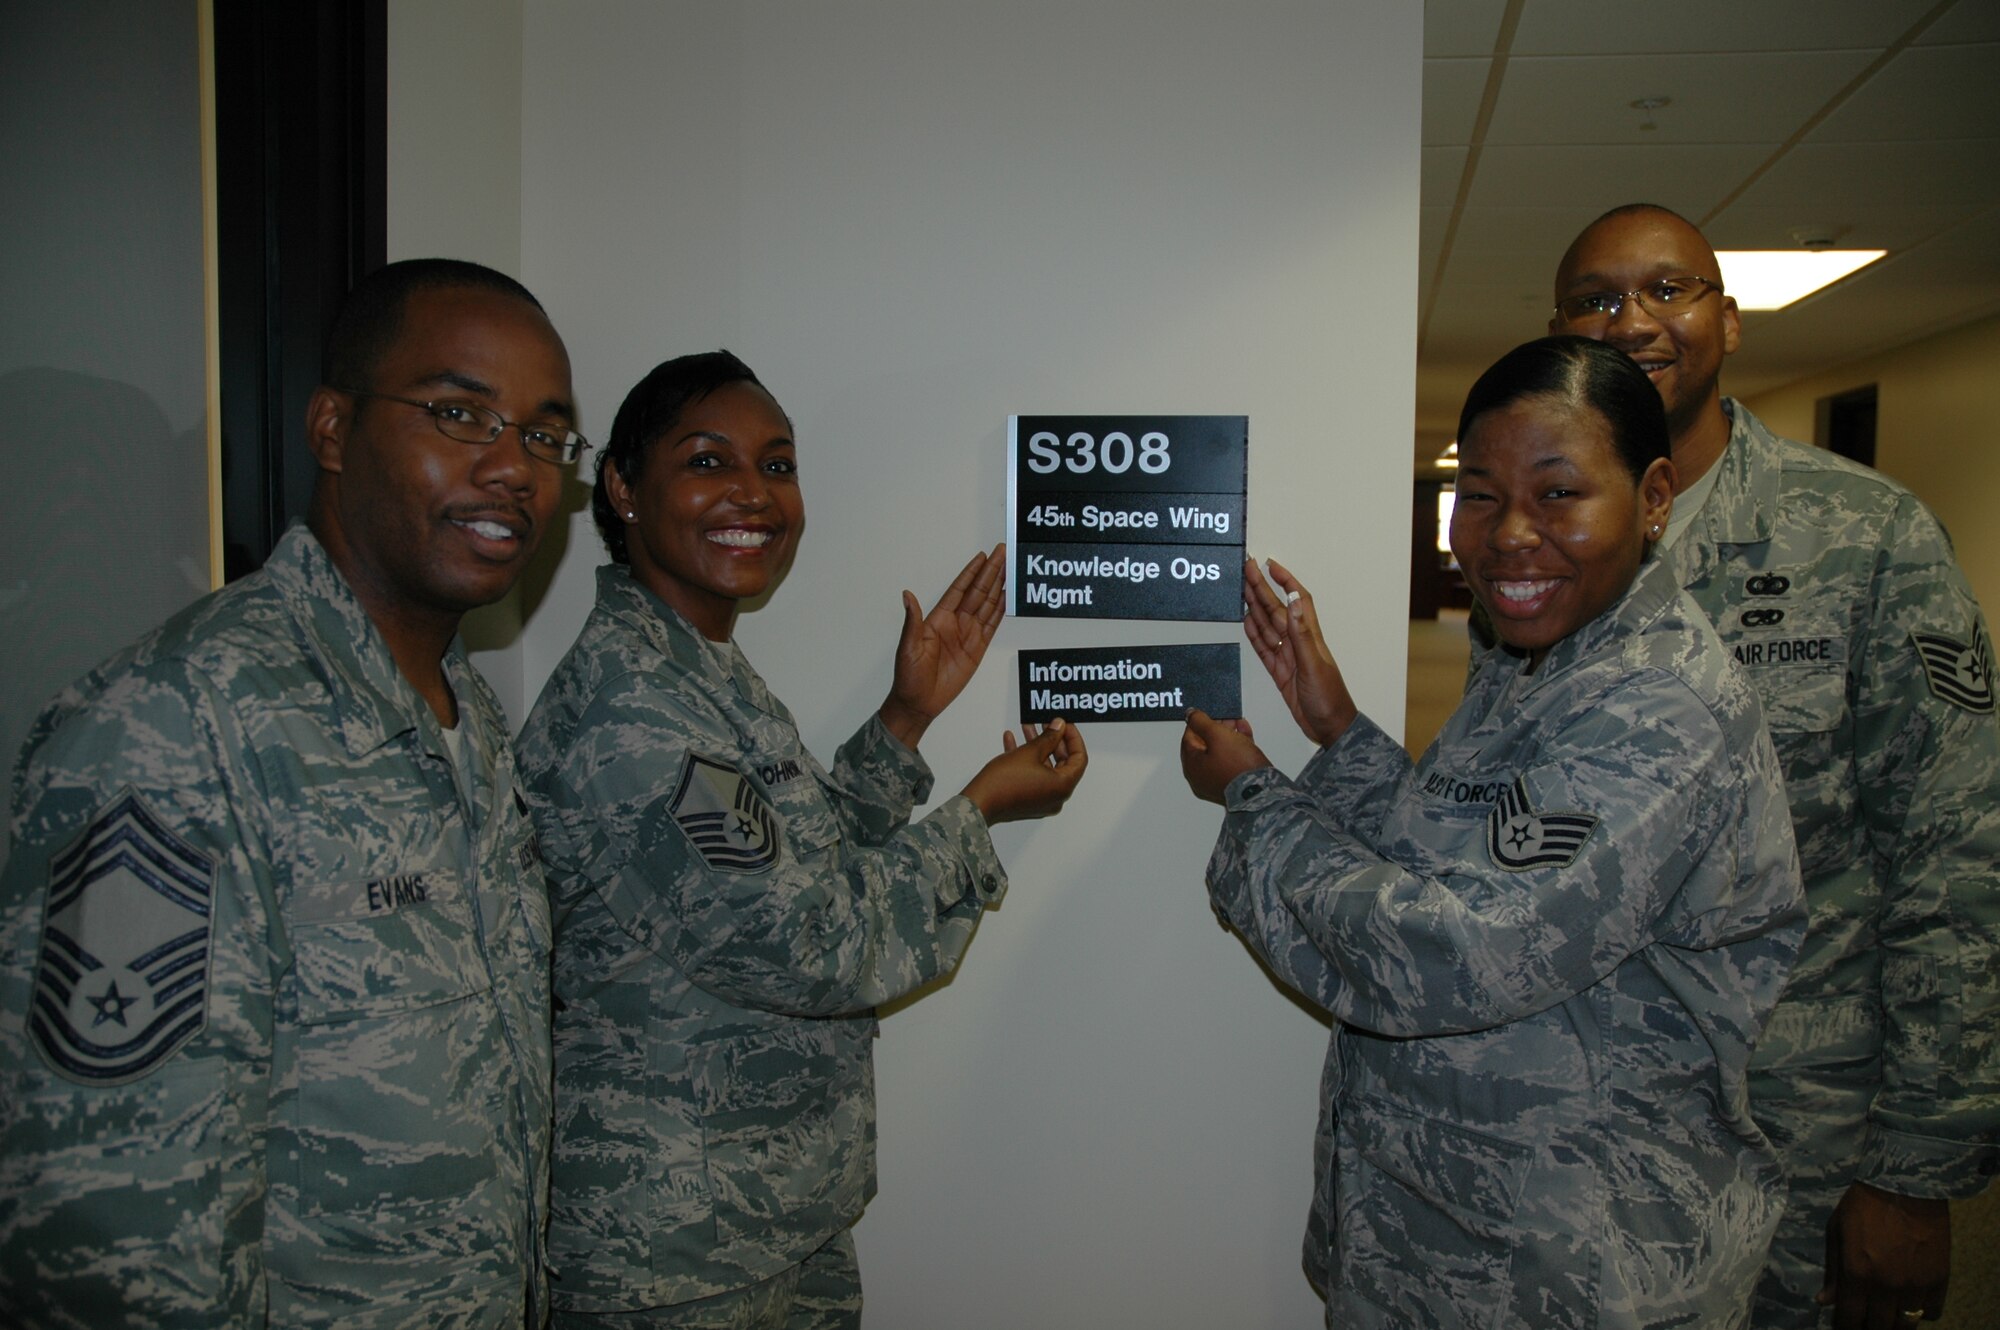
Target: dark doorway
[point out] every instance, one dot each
(1435, 582)
(301, 145)
(1845, 423)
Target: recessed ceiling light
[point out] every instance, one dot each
(1775, 278)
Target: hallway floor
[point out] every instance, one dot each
(1438, 655)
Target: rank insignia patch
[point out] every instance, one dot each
(1519, 838)
(733, 827)
(122, 979)
(1960, 674)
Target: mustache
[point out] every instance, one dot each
(512, 516)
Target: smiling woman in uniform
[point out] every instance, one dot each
(729, 913)
(1550, 944)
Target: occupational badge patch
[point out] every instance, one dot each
(1960, 674)
(733, 827)
(1519, 838)
(122, 979)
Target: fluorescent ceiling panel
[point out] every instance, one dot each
(1775, 278)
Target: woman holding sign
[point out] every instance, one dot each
(1551, 943)
(729, 913)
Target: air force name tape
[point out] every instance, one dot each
(732, 826)
(1519, 838)
(1960, 674)
(122, 979)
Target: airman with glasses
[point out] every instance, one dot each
(1664, 298)
(469, 422)
(1838, 595)
(274, 1009)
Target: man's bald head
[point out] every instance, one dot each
(1636, 248)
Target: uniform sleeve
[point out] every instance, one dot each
(1927, 757)
(879, 781)
(135, 1020)
(1577, 867)
(1247, 898)
(1356, 777)
(757, 891)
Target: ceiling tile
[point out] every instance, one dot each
(1715, 98)
(1951, 279)
(1513, 233)
(1431, 224)
(1885, 222)
(1836, 178)
(1452, 89)
(1550, 27)
(1921, 94)
(1967, 21)
(1489, 314)
(1461, 27)
(1689, 178)
(1910, 162)
(1442, 168)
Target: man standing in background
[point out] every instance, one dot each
(274, 988)
(1878, 1078)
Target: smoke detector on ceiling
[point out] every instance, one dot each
(1650, 105)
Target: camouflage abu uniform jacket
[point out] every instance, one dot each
(1837, 593)
(274, 1036)
(728, 915)
(1550, 946)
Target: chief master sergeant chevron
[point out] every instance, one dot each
(273, 935)
(1878, 1078)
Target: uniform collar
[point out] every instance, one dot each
(718, 666)
(373, 703)
(1653, 590)
(1742, 509)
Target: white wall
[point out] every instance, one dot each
(103, 422)
(1936, 430)
(455, 192)
(912, 219)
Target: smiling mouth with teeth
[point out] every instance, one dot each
(490, 530)
(1523, 591)
(741, 540)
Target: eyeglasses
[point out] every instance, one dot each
(470, 423)
(1668, 298)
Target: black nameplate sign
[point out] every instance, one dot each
(1127, 517)
(1101, 684)
(1118, 581)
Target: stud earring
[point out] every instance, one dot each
(633, 517)
(1656, 526)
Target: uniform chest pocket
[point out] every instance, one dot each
(1806, 709)
(396, 1105)
(411, 943)
(1808, 700)
(811, 825)
(1445, 825)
